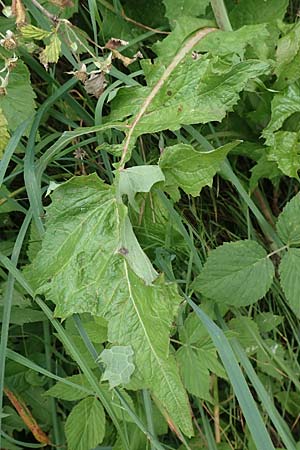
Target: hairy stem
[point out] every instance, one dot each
(221, 15)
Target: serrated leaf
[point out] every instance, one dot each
(287, 57)
(82, 268)
(85, 425)
(4, 134)
(288, 224)
(32, 32)
(285, 151)
(190, 169)
(15, 107)
(51, 52)
(197, 91)
(64, 391)
(119, 365)
(289, 270)
(138, 179)
(247, 12)
(236, 273)
(84, 211)
(283, 105)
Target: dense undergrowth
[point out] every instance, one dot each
(149, 224)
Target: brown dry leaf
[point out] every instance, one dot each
(19, 12)
(27, 418)
(62, 3)
(125, 60)
(114, 43)
(95, 84)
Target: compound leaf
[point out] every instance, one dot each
(236, 273)
(289, 270)
(85, 425)
(288, 224)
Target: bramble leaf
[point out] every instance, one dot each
(190, 169)
(18, 107)
(51, 52)
(288, 224)
(85, 425)
(289, 270)
(119, 365)
(236, 273)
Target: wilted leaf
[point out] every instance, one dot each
(4, 134)
(119, 365)
(51, 52)
(32, 32)
(95, 84)
(19, 12)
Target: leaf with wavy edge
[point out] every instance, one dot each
(84, 266)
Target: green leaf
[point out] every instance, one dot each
(119, 365)
(283, 105)
(190, 169)
(264, 169)
(4, 134)
(175, 9)
(288, 224)
(20, 316)
(18, 107)
(51, 52)
(286, 55)
(85, 425)
(84, 212)
(64, 391)
(83, 268)
(197, 91)
(289, 270)
(236, 273)
(247, 12)
(32, 32)
(285, 151)
(138, 179)
(197, 358)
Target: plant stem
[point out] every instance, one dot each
(221, 15)
(44, 11)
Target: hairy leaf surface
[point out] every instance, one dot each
(236, 273)
(84, 266)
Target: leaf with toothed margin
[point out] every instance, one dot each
(90, 261)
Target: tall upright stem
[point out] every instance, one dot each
(221, 15)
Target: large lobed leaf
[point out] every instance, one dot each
(84, 266)
(197, 91)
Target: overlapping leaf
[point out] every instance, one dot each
(190, 169)
(84, 266)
